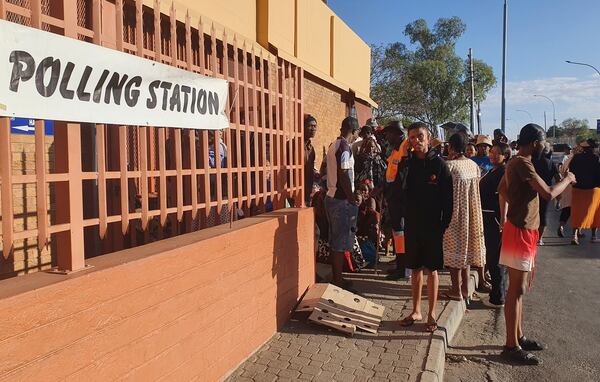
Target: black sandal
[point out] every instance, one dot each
(519, 356)
(530, 345)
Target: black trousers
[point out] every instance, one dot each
(493, 244)
(565, 214)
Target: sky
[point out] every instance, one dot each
(542, 34)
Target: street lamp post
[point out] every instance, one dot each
(504, 43)
(583, 64)
(528, 113)
(553, 111)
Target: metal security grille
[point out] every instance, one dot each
(143, 184)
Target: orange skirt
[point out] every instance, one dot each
(585, 208)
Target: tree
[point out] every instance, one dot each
(429, 83)
(573, 129)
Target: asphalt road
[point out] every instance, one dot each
(562, 310)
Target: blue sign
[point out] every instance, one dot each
(598, 126)
(27, 126)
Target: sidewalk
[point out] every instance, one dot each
(303, 351)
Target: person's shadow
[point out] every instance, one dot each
(286, 266)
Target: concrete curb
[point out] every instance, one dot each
(448, 324)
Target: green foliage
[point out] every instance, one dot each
(429, 83)
(579, 129)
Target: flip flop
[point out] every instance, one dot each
(431, 327)
(408, 321)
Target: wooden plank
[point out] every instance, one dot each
(144, 175)
(201, 51)
(217, 148)
(123, 180)
(275, 176)
(41, 194)
(3, 9)
(192, 134)
(204, 153)
(157, 30)
(6, 187)
(101, 158)
(284, 126)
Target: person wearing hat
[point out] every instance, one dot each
(483, 145)
(585, 200)
(499, 137)
(438, 146)
(520, 220)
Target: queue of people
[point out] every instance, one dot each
(468, 203)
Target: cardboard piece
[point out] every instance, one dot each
(341, 310)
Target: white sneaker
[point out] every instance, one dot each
(540, 242)
(487, 303)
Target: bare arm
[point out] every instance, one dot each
(551, 192)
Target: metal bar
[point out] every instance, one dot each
(119, 23)
(123, 181)
(247, 124)
(3, 9)
(157, 36)
(228, 131)
(299, 153)
(236, 107)
(6, 187)
(192, 133)
(36, 14)
(40, 172)
(301, 124)
(139, 28)
(262, 133)
(179, 178)
(163, 177)
(217, 148)
(255, 127)
(207, 198)
(97, 21)
(101, 157)
(284, 126)
(144, 175)
(202, 49)
(275, 181)
(271, 129)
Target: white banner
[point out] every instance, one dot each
(52, 77)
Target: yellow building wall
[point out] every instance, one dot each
(314, 35)
(281, 25)
(351, 58)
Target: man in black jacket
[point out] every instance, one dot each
(427, 204)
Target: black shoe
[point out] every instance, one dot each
(521, 357)
(530, 345)
(397, 275)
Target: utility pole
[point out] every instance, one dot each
(545, 123)
(471, 76)
(503, 122)
(479, 129)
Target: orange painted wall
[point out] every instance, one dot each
(194, 306)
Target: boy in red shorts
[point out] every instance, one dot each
(520, 188)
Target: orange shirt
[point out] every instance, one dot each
(394, 160)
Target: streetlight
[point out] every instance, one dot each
(504, 46)
(553, 111)
(528, 113)
(581, 63)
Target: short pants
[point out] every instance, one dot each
(519, 247)
(341, 216)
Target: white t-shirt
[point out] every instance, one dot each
(339, 155)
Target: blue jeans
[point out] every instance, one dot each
(341, 216)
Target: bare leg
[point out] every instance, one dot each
(455, 278)
(433, 282)
(464, 287)
(417, 286)
(513, 305)
(337, 266)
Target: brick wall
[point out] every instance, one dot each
(26, 257)
(190, 307)
(327, 105)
